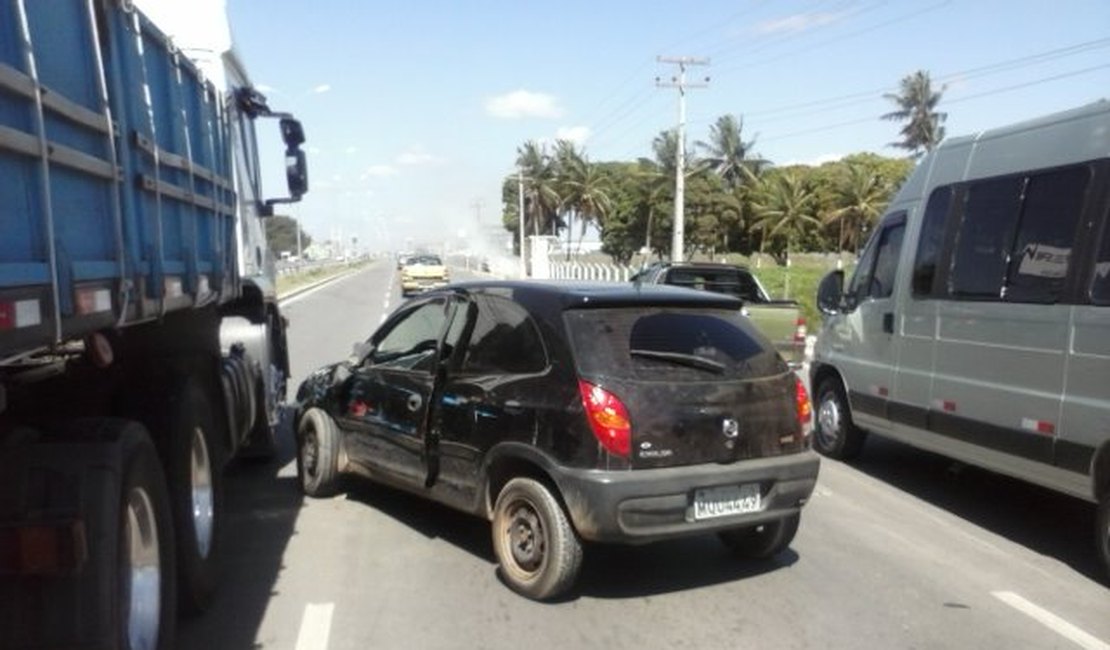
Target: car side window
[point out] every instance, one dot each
(1100, 283)
(412, 341)
(504, 340)
(983, 241)
(1039, 259)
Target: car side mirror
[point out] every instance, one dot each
(830, 293)
(296, 172)
(292, 132)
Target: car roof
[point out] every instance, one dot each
(563, 295)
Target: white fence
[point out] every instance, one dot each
(590, 271)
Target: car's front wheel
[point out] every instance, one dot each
(318, 444)
(538, 549)
(762, 541)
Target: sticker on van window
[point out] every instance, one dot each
(1043, 261)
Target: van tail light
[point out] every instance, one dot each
(608, 418)
(800, 331)
(801, 401)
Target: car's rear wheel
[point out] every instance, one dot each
(761, 541)
(537, 547)
(835, 435)
(318, 454)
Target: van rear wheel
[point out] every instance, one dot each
(835, 435)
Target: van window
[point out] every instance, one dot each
(886, 261)
(1042, 249)
(931, 241)
(1100, 286)
(983, 242)
(861, 278)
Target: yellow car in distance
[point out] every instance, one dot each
(423, 273)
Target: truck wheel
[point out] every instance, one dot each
(1102, 532)
(146, 545)
(194, 466)
(835, 435)
(762, 541)
(261, 444)
(318, 454)
(538, 549)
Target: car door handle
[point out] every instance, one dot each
(888, 322)
(414, 402)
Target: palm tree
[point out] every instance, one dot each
(917, 103)
(729, 155)
(583, 188)
(861, 195)
(784, 207)
(540, 194)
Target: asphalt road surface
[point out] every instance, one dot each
(898, 550)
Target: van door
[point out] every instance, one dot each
(869, 362)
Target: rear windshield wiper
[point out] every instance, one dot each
(691, 360)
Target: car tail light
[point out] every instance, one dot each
(800, 331)
(801, 400)
(608, 418)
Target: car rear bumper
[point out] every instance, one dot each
(640, 506)
(423, 284)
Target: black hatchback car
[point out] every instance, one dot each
(566, 413)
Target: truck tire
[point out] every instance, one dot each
(146, 591)
(261, 443)
(194, 460)
(318, 445)
(535, 544)
(761, 541)
(835, 435)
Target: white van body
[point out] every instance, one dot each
(977, 324)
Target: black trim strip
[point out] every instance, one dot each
(1065, 454)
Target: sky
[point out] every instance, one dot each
(414, 109)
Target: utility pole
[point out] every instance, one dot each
(477, 205)
(679, 82)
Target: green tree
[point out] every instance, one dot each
(281, 234)
(584, 189)
(784, 209)
(861, 196)
(541, 196)
(917, 103)
(730, 156)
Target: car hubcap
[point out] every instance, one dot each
(143, 572)
(526, 537)
(828, 420)
(203, 500)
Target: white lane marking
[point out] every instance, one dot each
(315, 626)
(1051, 621)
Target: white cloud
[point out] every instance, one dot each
(377, 171)
(350, 150)
(798, 22)
(816, 161)
(416, 156)
(576, 134)
(322, 88)
(523, 103)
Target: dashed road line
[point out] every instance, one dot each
(315, 626)
(1051, 621)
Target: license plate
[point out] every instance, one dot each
(726, 500)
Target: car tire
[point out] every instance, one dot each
(761, 541)
(835, 434)
(1102, 532)
(318, 444)
(538, 549)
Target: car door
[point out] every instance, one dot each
(388, 395)
(866, 334)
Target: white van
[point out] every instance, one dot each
(977, 323)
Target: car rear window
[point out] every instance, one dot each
(669, 344)
(729, 281)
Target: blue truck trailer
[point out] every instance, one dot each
(141, 345)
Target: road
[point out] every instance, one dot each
(898, 550)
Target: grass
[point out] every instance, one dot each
(289, 282)
(799, 281)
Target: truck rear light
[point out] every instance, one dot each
(800, 331)
(15, 314)
(608, 418)
(801, 400)
(93, 300)
(43, 549)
